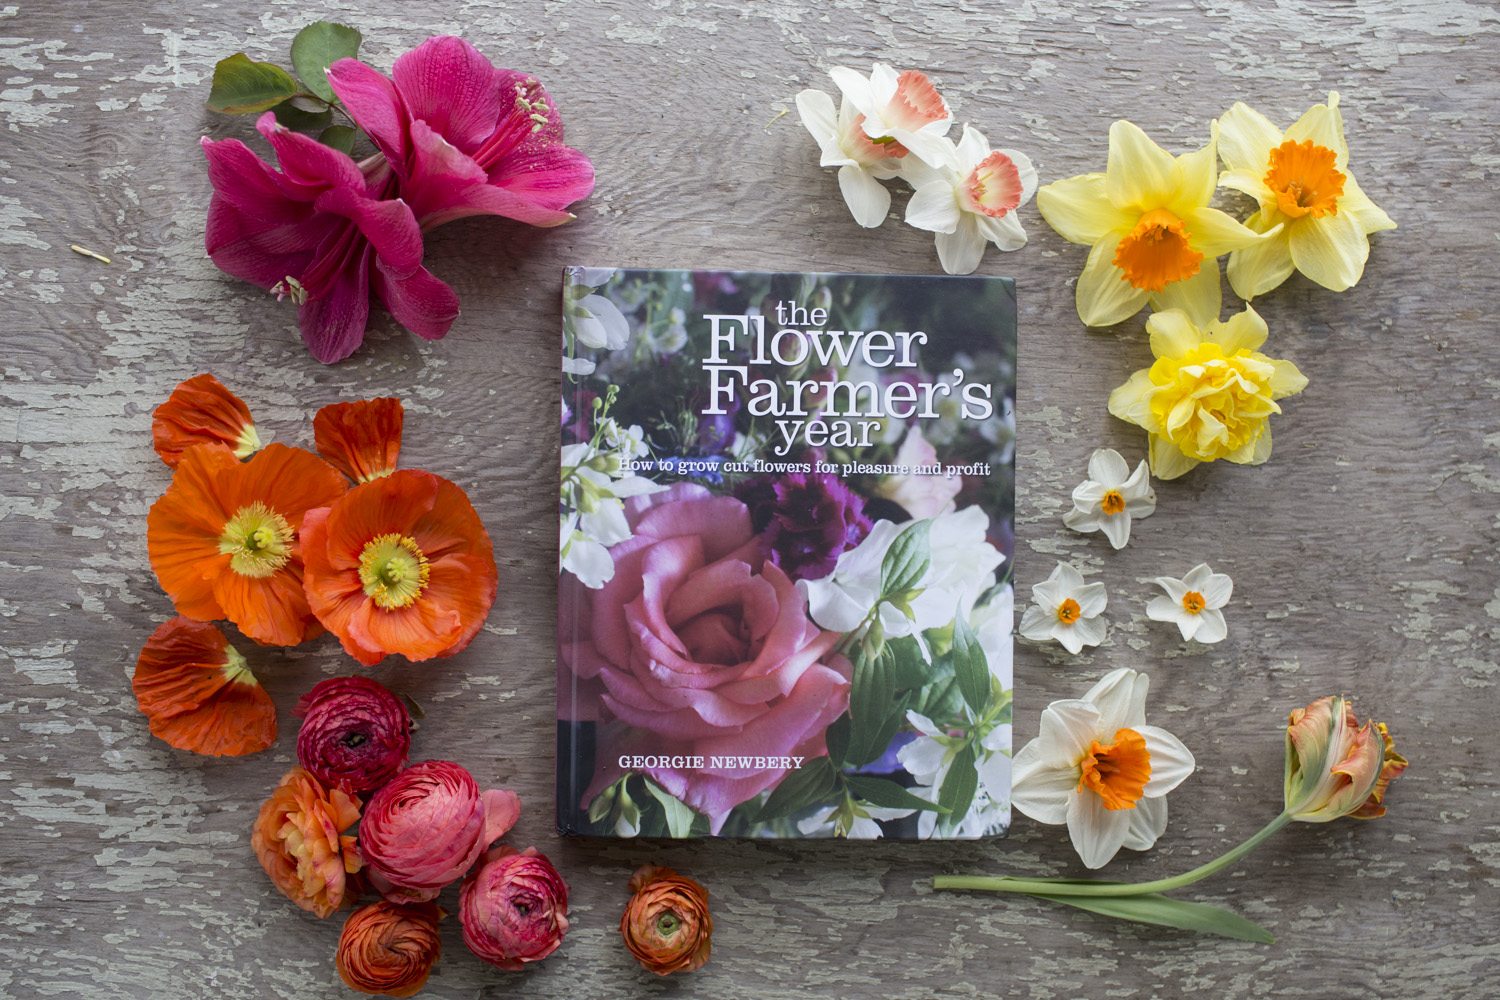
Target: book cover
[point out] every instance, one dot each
(786, 526)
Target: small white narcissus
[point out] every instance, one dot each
(1098, 767)
(1110, 497)
(1066, 609)
(970, 198)
(1193, 603)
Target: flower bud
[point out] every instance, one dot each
(355, 733)
(666, 924)
(1334, 766)
(514, 908)
(389, 949)
(427, 826)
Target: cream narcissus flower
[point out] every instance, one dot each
(1210, 394)
(1096, 766)
(1151, 234)
(1301, 180)
(1065, 608)
(1193, 603)
(862, 164)
(898, 109)
(1111, 495)
(971, 199)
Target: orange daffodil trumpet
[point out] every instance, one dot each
(1152, 235)
(1316, 217)
(1210, 395)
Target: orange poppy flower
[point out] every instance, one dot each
(298, 838)
(223, 538)
(400, 565)
(361, 439)
(198, 695)
(202, 411)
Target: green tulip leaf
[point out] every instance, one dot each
(1163, 911)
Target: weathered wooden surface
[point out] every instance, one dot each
(1364, 554)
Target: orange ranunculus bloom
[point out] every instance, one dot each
(389, 949)
(224, 542)
(298, 837)
(361, 439)
(202, 411)
(402, 565)
(198, 695)
(666, 924)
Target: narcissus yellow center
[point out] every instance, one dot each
(393, 570)
(1305, 179)
(1157, 252)
(1117, 772)
(1193, 603)
(1112, 503)
(1069, 612)
(257, 540)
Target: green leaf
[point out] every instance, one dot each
(908, 667)
(299, 119)
(799, 790)
(960, 784)
(317, 47)
(970, 667)
(339, 137)
(906, 561)
(837, 738)
(873, 708)
(881, 792)
(1164, 911)
(242, 86)
(679, 815)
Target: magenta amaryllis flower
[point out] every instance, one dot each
(427, 827)
(324, 231)
(464, 137)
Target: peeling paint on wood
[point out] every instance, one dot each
(1364, 554)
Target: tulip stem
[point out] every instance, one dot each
(1073, 887)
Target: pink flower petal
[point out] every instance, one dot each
(451, 86)
(374, 103)
(419, 301)
(333, 324)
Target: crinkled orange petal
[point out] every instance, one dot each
(298, 839)
(461, 588)
(202, 411)
(192, 702)
(361, 439)
(183, 530)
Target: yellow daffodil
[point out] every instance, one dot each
(1210, 394)
(1301, 180)
(1151, 234)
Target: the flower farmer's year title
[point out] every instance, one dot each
(848, 413)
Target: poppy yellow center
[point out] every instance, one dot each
(1193, 602)
(1112, 503)
(1068, 611)
(1157, 252)
(1305, 179)
(257, 540)
(236, 669)
(1117, 772)
(393, 570)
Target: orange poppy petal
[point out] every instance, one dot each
(333, 597)
(361, 439)
(392, 505)
(291, 481)
(271, 610)
(183, 528)
(197, 694)
(202, 411)
(452, 524)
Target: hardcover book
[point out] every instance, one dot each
(784, 598)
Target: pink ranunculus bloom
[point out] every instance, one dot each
(355, 733)
(702, 647)
(514, 908)
(326, 232)
(426, 828)
(464, 137)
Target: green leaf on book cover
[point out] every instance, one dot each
(875, 712)
(970, 667)
(317, 47)
(906, 561)
(798, 790)
(1164, 911)
(837, 739)
(882, 792)
(960, 783)
(908, 667)
(243, 86)
(679, 815)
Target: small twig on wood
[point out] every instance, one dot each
(86, 252)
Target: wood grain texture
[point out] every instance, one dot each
(1364, 554)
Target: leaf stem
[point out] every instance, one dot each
(1066, 887)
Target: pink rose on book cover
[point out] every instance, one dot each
(701, 647)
